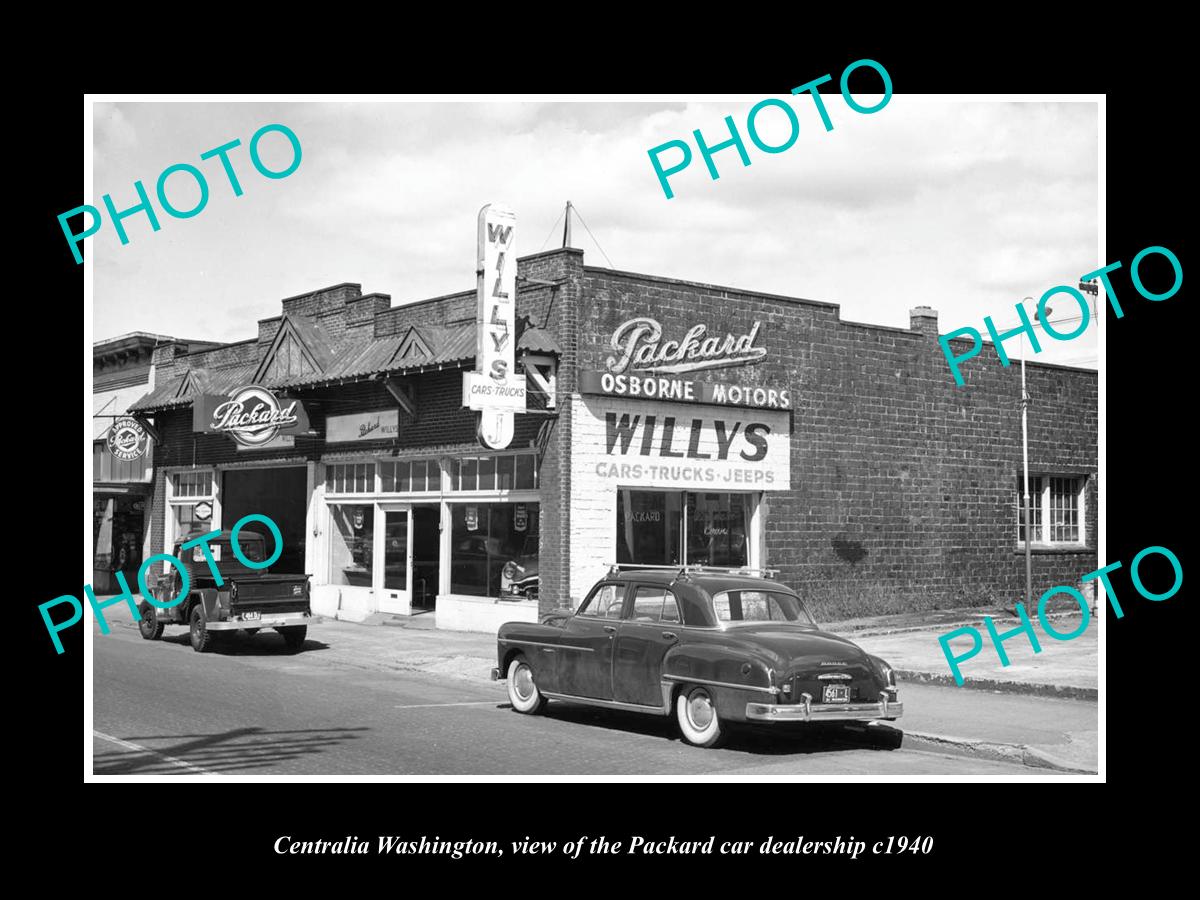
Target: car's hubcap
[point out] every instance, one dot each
(700, 710)
(523, 682)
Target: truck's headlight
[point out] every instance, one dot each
(233, 590)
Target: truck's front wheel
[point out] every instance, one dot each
(293, 636)
(202, 638)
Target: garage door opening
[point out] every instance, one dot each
(279, 494)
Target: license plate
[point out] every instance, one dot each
(836, 693)
(251, 616)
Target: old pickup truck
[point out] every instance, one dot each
(246, 599)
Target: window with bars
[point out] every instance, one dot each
(1056, 509)
(350, 478)
(405, 476)
(509, 472)
(192, 484)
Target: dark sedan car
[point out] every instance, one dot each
(712, 647)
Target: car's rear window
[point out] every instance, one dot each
(222, 553)
(760, 606)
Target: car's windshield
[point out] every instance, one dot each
(760, 606)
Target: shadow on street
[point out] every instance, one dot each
(238, 750)
(239, 643)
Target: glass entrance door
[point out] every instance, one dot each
(393, 566)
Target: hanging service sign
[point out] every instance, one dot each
(251, 415)
(494, 390)
(203, 511)
(127, 439)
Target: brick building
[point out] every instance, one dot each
(677, 423)
(122, 371)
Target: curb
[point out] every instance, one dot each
(1012, 753)
(1062, 691)
(884, 630)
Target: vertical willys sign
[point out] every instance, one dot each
(494, 389)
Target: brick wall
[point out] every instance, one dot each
(903, 485)
(557, 310)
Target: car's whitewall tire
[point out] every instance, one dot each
(696, 713)
(523, 691)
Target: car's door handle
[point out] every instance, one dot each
(610, 628)
(670, 635)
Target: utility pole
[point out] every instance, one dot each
(1025, 453)
(567, 226)
(1093, 289)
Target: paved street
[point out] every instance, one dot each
(252, 709)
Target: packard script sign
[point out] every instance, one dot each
(644, 366)
(653, 445)
(638, 345)
(252, 416)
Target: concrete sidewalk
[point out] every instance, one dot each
(910, 644)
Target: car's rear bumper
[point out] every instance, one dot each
(805, 711)
(277, 620)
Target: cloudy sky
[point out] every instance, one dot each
(966, 207)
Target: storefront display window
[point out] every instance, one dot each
(667, 528)
(485, 537)
(648, 527)
(117, 529)
(717, 529)
(351, 534)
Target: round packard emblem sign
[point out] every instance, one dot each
(252, 416)
(127, 439)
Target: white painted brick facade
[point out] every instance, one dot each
(594, 496)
